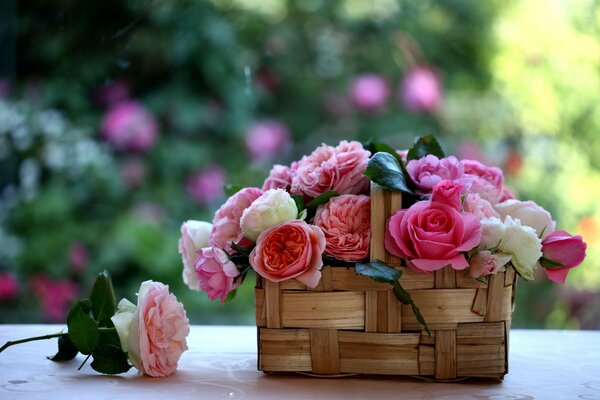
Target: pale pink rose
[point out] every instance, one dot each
(9, 286)
(369, 91)
(447, 192)
(485, 263)
(421, 90)
(78, 257)
(128, 125)
(290, 250)
(486, 180)
(158, 330)
(280, 177)
(482, 208)
(226, 223)
(352, 161)
(428, 171)
(267, 138)
(563, 248)
(194, 236)
(206, 186)
(56, 296)
(346, 222)
(216, 273)
(432, 235)
(530, 214)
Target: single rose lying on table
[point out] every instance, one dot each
(151, 335)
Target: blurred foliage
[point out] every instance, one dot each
(520, 85)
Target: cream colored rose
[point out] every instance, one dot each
(274, 207)
(194, 236)
(492, 232)
(529, 213)
(524, 244)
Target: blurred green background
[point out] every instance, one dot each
(121, 119)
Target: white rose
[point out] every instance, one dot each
(122, 321)
(274, 207)
(529, 213)
(194, 236)
(492, 232)
(524, 244)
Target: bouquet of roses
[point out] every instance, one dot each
(316, 212)
(150, 336)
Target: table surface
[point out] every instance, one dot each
(221, 364)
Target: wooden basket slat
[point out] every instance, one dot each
(323, 310)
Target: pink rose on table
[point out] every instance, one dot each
(194, 236)
(428, 171)
(153, 333)
(487, 263)
(346, 223)
(290, 250)
(487, 181)
(562, 248)
(447, 192)
(216, 273)
(530, 214)
(280, 177)
(226, 224)
(432, 235)
(481, 208)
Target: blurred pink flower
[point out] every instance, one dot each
(337, 105)
(266, 138)
(470, 150)
(133, 172)
(5, 88)
(78, 257)
(369, 91)
(421, 90)
(113, 92)
(56, 296)
(9, 286)
(206, 186)
(128, 125)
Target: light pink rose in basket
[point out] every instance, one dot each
(486, 180)
(153, 333)
(226, 224)
(290, 250)
(428, 171)
(487, 263)
(346, 223)
(432, 235)
(194, 236)
(280, 177)
(352, 161)
(482, 208)
(530, 214)
(216, 273)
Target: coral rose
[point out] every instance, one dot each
(562, 248)
(290, 250)
(346, 223)
(432, 235)
(226, 224)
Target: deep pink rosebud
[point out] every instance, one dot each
(9, 287)
(447, 192)
(369, 91)
(421, 90)
(565, 249)
(128, 125)
(206, 186)
(267, 138)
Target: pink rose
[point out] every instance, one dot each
(194, 236)
(428, 171)
(9, 287)
(487, 181)
(129, 126)
(565, 249)
(432, 235)
(369, 91)
(267, 138)
(421, 90)
(157, 332)
(482, 208)
(338, 168)
(507, 194)
(206, 186)
(226, 224)
(403, 155)
(216, 273)
(346, 223)
(485, 263)
(280, 177)
(530, 214)
(290, 250)
(447, 192)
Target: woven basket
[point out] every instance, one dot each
(351, 324)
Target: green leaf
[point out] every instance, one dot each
(548, 263)
(321, 199)
(240, 249)
(66, 349)
(404, 297)
(103, 298)
(83, 331)
(232, 188)
(300, 204)
(377, 147)
(231, 295)
(386, 171)
(378, 271)
(423, 146)
(110, 360)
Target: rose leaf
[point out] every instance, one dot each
(423, 146)
(386, 171)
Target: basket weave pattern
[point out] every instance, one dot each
(351, 324)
